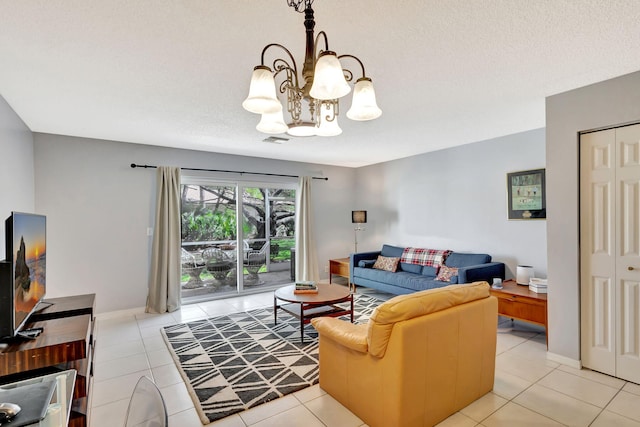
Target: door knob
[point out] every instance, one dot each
(630, 268)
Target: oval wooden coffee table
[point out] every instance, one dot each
(307, 306)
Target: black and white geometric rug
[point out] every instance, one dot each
(234, 362)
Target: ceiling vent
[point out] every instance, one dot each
(275, 140)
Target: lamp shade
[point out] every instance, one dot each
(364, 105)
(328, 121)
(272, 123)
(328, 78)
(262, 92)
(523, 274)
(359, 217)
(302, 129)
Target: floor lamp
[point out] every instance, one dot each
(358, 217)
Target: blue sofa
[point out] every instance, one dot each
(413, 277)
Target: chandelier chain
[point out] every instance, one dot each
(296, 4)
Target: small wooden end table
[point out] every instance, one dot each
(339, 267)
(518, 302)
(307, 306)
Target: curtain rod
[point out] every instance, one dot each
(133, 165)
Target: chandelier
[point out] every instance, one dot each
(322, 82)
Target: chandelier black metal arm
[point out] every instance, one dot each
(348, 73)
(280, 64)
(315, 44)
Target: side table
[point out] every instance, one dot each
(518, 302)
(339, 267)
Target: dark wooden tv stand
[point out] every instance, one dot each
(65, 343)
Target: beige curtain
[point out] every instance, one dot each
(306, 258)
(164, 279)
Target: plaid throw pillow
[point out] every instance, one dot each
(427, 257)
(446, 273)
(386, 263)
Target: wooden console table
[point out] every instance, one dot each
(65, 343)
(518, 302)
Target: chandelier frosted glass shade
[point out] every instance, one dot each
(302, 129)
(328, 121)
(272, 123)
(328, 78)
(262, 92)
(364, 105)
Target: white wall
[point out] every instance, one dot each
(16, 167)
(98, 210)
(605, 104)
(455, 199)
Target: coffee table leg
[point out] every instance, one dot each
(351, 308)
(275, 310)
(301, 322)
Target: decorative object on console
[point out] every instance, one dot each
(322, 82)
(523, 274)
(538, 285)
(526, 195)
(358, 217)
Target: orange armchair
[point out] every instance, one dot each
(420, 358)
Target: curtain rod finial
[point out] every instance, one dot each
(133, 165)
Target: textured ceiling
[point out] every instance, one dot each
(174, 73)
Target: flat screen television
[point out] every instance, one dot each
(23, 273)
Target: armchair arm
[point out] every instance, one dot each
(355, 259)
(344, 333)
(481, 272)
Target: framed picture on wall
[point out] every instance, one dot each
(526, 195)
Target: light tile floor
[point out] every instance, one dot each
(529, 390)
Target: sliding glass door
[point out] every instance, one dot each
(223, 256)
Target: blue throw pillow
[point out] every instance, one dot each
(366, 263)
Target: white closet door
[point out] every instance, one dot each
(610, 251)
(628, 253)
(597, 251)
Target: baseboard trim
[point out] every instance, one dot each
(119, 313)
(564, 360)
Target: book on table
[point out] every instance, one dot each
(305, 287)
(305, 291)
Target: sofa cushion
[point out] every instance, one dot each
(386, 263)
(446, 273)
(429, 271)
(410, 268)
(391, 251)
(457, 259)
(406, 307)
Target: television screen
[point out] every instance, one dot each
(27, 251)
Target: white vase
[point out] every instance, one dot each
(523, 274)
